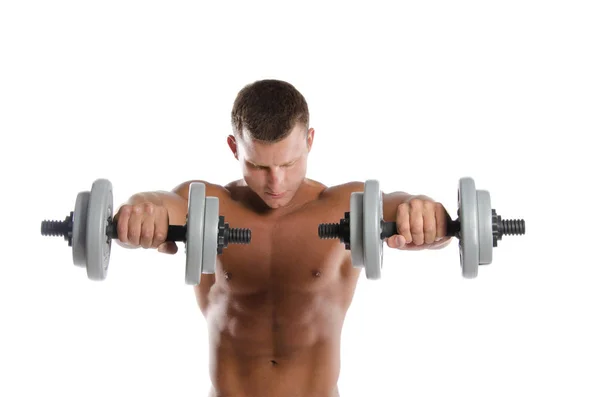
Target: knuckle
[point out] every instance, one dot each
(159, 236)
(133, 234)
(122, 231)
(164, 218)
(416, 231)
(402, 208)
(416, 203)
(416, 222)
(121, 219)
(429, 228)
(404, 227)
(148, 208)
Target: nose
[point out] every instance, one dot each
(275, 179)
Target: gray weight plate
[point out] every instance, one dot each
(211, 235)
(469, 229)
(486, 235)
(372, 217)
(356, 230)
(98, 243)
(79, 228)
(195, 233)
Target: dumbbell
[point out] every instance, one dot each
(478, 228)
(90, 229)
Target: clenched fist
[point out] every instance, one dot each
(144, 225)
(421, 224)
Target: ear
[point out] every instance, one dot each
(232, 145)
(310, 136)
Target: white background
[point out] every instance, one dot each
(415, 94)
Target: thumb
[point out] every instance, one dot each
(396, 241)
(169, 247)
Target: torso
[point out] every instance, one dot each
(275, 308)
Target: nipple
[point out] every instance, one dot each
(316, 273)
(227, 276)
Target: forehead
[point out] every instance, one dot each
(277, 153)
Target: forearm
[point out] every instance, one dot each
(157, 198)
(175, 205)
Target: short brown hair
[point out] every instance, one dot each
(269, 110)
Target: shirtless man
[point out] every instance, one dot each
(275, 308)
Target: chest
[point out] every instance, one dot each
(286, 253)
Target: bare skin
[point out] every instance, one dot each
(274, 308)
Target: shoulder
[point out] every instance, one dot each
(339, 195)
(212, 189)
(328, 202)
(342, 190)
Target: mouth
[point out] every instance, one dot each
(275, 195)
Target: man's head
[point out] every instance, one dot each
(271, 139)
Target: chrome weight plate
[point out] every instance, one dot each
(486, 234)
(356, 230)
(98, 243)
(211, 235)
(469, 227)
(372, 218)
(79, 229)
(194, 244)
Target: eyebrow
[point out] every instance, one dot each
(265, 166)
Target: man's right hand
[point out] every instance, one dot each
(144, 225)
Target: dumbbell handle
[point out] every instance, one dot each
(226, 235)
(174, 233)
(65, 227)
(391, 228)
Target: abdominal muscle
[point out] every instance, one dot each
(274, 344)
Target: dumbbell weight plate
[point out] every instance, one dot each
(98, 244)
(486, 236)
(469, 227)
(79, 228)
(372, 218)
(211, 235)
(195, 233)
(356, 230)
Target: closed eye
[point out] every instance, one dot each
(256, 166)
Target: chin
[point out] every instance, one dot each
(276, 202)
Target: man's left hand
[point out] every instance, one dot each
(421, 224)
